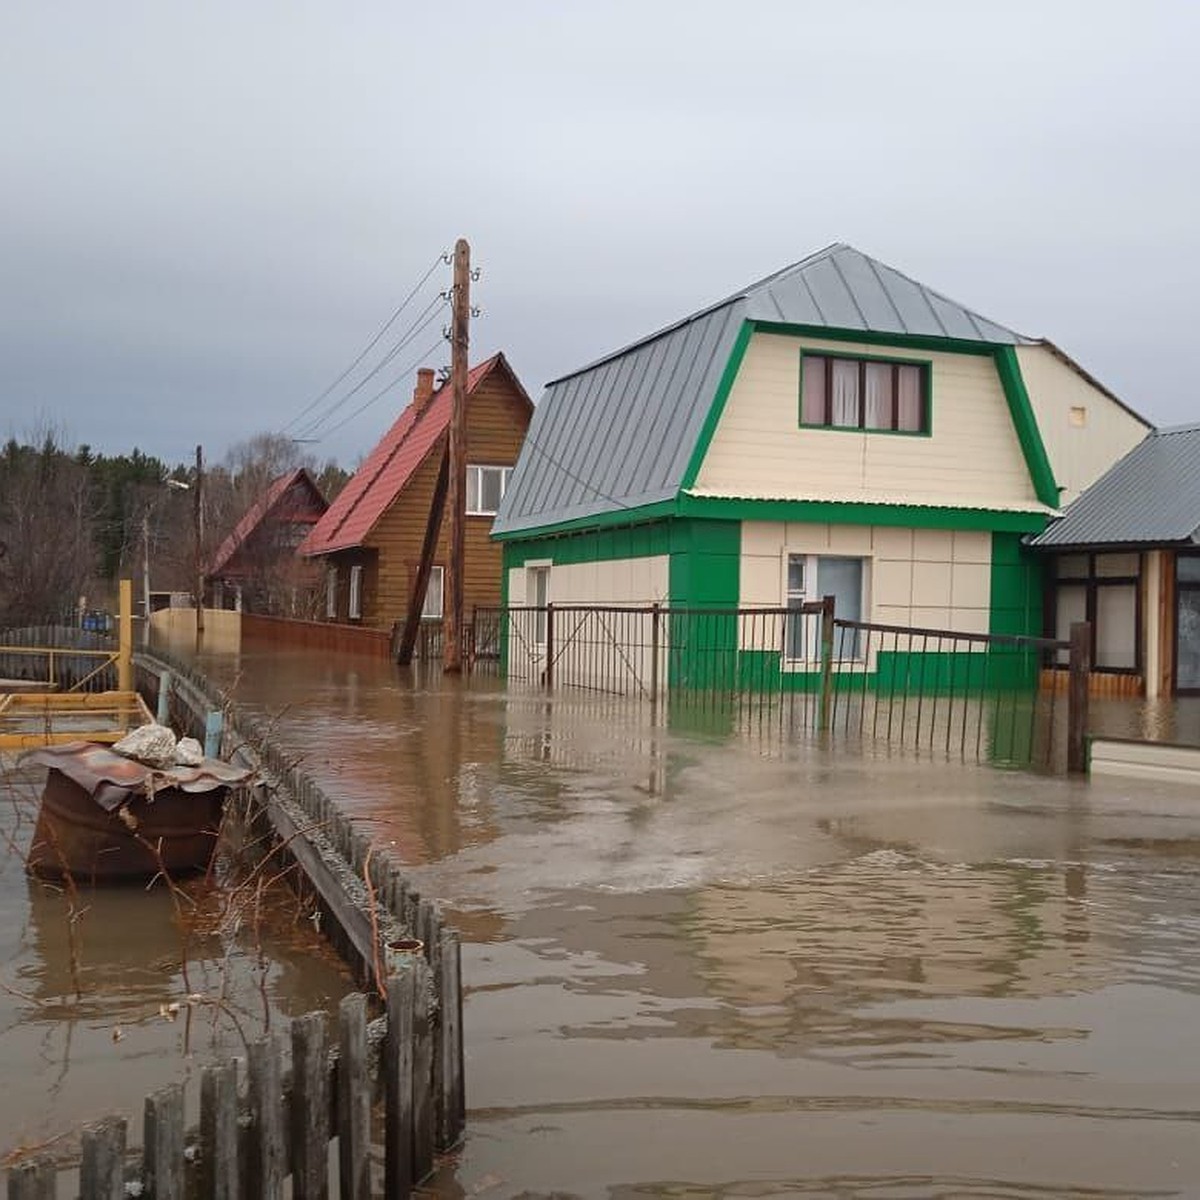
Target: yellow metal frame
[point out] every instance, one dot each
(119, 710)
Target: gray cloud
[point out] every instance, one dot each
(208, 209)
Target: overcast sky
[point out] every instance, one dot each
(207, 209)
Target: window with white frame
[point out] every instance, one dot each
(1102, 589)
(810, 577)
(331, 589)
(537, 596)
(355, 604)
(433, 610)
(485, 490)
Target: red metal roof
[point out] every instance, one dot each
(263, 508)
(389, 467)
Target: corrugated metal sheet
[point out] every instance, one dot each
(1150, 497)
(861, 496)
(619, 432)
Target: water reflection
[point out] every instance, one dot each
(706, 959)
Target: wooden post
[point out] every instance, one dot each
(310, 1108)
(264, 1166)
(199, 523)
(422, 1076)
(162, 1143)
(398, 1086)
(549, 672)
(125, 637)
(102, 1165)
(459, 343)
(219, 1132)
(416, 599)
(1077, 696)
(33, 1179)
(826, 706)
(451, 1099)
(354, 1100)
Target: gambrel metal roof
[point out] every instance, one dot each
(620, 432)
(1150, 498)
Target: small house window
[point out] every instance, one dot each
(809, 578)
(1102, 589)
(331, 590)
(433, 609)
(537, 596)
(858, 393)
(485, 490)
(355, 608)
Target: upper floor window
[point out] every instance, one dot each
(864, 393)
(485, 489)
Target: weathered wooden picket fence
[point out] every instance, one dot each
(270, 1118)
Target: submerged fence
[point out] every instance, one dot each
(60, 657)
(964, 694)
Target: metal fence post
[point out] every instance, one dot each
(825, 710)
(1077, 696)
(549, 647)
(655, 643)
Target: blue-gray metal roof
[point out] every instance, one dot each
(1151, 497)
(619, 433)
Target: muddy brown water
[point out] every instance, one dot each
(112, 993)
(701, 961)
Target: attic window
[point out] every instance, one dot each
(485, 490)
(871, 394)
(1077, 416)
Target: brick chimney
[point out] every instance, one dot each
(423, 392)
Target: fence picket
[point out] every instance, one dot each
(354, 1100)
(162, 1143)
(102, 1166)
(265, 1154)
(219, 1132)
(398, 1085)
(310, 1108)
(33, 1179)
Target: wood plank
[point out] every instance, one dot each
(354, 1099)
(310, 1107)
(451, 1101)
(102, 1166)
(218, 1132)
(397, 1069)
(265, 1156)
(162, 1143)
(422, 1076)
(33, 1179)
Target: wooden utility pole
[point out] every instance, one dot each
(459, 342)
(199, 521)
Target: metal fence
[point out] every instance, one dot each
(58, 657)
(961, 694)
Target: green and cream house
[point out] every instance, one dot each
(836, 428)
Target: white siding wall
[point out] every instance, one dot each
(600, 651)
(1078, 455)
(623, 581)
(759, 449)
(930, 578)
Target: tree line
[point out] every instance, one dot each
(73, 522)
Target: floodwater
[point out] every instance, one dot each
(703, 962)
(108, 994)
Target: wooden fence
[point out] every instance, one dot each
(63, 657)
(267, 1120)
(395, 942)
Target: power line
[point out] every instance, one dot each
(529, 441)
(429, 313)
(383, 391)
(371, 344)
